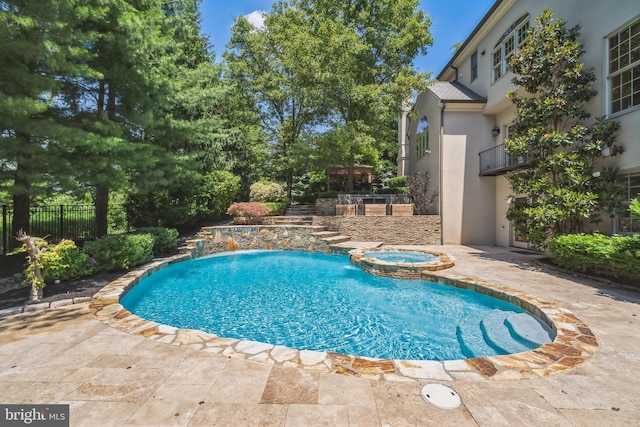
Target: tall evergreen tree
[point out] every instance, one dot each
(563, 184)
(38, 51)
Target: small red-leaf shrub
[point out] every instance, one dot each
(248, 209)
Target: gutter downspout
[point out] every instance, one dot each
(442, 106)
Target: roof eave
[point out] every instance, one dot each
(469, 39)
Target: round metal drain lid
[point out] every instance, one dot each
(440, 396)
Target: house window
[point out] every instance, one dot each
(422, 138)
(510, 42)
(630, 184)
(474, 65)
(624, 67)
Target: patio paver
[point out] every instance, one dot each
(67, 355)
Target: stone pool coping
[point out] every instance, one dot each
(402, 270)
(574, 343)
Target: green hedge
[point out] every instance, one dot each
(277, 208)
(164, 239)
(614, 256)
(120, 251)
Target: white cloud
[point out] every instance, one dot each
(256, 18)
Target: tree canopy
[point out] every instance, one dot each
(335, 70)
(126, 97)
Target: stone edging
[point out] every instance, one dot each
(574, 343)
(412, 270)
(42, 306)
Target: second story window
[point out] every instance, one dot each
(509, 43)
(624, 68)
(422, 137)
(474, 65)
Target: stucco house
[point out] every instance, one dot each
(456, 129)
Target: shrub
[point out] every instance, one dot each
(63, 261)
(634, 208)
(120, 251)
(164, 239)
(614, 256)
(392, 190)
(277, 208)
(397, 181)
(248, 209)
(219, 189)
(328, 195)
(419, 183)
(266, 192)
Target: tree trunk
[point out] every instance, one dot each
(101, 203)
(37, 281)
(21, 201)
(350, 173)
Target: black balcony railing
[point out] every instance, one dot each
(496, 161)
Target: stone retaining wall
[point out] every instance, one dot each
(326, 207)
(243, 237)
(392, 230)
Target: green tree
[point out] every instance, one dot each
(273, 67)
(563, 185)
(365, 51)
(38, 52)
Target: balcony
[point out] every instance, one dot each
(495, 161)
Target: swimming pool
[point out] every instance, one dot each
(321, 302)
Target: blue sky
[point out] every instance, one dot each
(452, 22)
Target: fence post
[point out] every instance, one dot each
(61, 227)
(4, 229)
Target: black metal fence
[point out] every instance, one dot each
(75, 222)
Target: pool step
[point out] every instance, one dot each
(529, 330)
(498, 336)
(501, 332)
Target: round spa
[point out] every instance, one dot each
(407, 262)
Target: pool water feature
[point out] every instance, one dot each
(322, 302)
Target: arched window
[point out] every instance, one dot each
(509, 42)
(422, 138)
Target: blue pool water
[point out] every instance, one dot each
(401, 256)
(321, 302)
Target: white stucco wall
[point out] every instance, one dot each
(454, 154)
(468, 200)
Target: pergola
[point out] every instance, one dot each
(361, 176)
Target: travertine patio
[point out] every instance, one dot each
(110, 377)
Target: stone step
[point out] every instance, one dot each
(337, 239)
(296, 210)
(325, 234)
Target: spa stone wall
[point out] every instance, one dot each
(244, 237)
(392, 230)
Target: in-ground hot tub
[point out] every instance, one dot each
(400, 261)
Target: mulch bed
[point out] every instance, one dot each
(616, 281)
(84, 287)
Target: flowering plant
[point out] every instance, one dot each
(242, 211)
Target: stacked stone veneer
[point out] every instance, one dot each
(243, 237)
(326, 207)
(392, 230)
